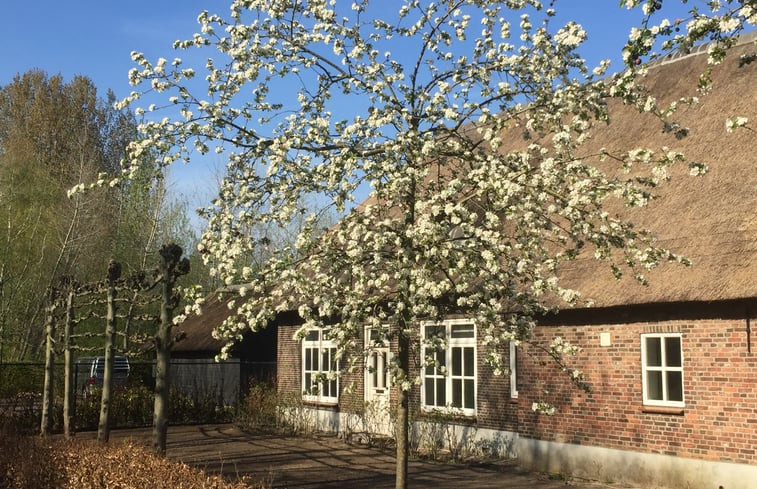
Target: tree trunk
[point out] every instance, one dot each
(69, 389)
(103, 428)
(403, 411)
(170, 267)
(162, 365)
(46, 422)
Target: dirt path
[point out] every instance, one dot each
(327, 462)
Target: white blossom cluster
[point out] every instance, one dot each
(735, 122)
(466, 120)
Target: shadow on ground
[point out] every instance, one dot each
(326, 462)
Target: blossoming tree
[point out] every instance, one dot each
(463, 120)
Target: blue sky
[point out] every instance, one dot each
(95, 38)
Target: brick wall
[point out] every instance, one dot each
(719, 420)
(289, 360)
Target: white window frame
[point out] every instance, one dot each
(326, 392)
(513, 371)
(663, 368)
(447, 379)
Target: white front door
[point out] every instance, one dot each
(377, 383)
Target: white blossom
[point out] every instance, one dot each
(399, 106)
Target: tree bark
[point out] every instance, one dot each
(69, 389)
(46, 422)
(103, 428)
(403, 411)
(162, 365)
(170, 267)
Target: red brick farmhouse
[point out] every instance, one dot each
(672, 366)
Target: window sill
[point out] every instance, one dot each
(333, 405)
(436, 414)
(662, 410)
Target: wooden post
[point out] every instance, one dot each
(103, 428)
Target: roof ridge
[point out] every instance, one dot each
(743, 38)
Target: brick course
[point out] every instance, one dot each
(719, 418)
(718, 422)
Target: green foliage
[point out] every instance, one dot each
(259, 409)
(130, 408)
(266, 409)
(183, 409)
(55, 135)
(20, 378)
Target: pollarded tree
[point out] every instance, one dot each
(465, 118)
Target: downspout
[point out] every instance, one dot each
(748, 332)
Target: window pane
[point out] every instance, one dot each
(381, 382)
(430, 370)
(441, 394)
(430, 397)
(654, 352)
(457, 393)
(373, 365)
(462, 331)
(673, 352)
(469, 363)
(675, 386)
(312, 335)
(435, 332)
(332, 388)
(386, 377)
(308, 382)
(308, 359)
(470, 394)
(333, 364)
(441, 358)
(457, 361)
(654, 386)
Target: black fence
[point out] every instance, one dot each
(201, 391)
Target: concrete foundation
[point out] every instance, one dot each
(595, 463)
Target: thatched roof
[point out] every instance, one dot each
(712, 220)
(195, 332)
